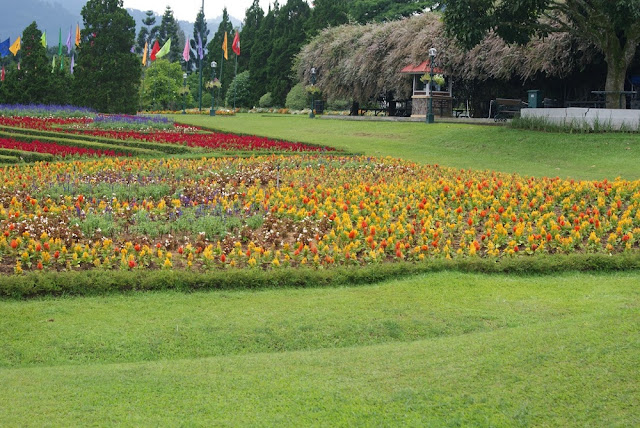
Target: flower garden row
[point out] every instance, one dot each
(267, 212)
(123, 136)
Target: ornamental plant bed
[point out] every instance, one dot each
(183, 135)
(274, 211)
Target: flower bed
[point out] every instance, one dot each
(54, 148)
(179, 134)
(267, 212)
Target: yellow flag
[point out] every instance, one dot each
(77, 34)
(15, 47)
(144, 54)
(224, 46)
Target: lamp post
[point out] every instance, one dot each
(432, 57)
(313, 82)
(184, 91)
(213, 78)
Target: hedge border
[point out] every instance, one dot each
(101, 282)
(134, 151)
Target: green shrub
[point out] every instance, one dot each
(338, 104)
(298, 98)
(240, 91)
(266, 100)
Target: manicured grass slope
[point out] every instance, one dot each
(580, 156)
(440, 349)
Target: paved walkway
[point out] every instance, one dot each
(472, 120)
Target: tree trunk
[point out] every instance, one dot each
(616, 74)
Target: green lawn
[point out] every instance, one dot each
(440, 349)
(443, 349)
(500, 148)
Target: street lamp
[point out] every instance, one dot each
(213, 78)
(432, 57)
(184, 91)
(313, 82)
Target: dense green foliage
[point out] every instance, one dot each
(297, 98)
(266, 100)
(162, 86)
(239, 93)
(363, 11)
(613, 27)
(36, 82)
(107, 74)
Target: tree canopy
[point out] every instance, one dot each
(107, 74)
(363, 61)
(613, 27)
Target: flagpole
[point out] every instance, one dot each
(200, 72)
(236, 85)
(221, 68)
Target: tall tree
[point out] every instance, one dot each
(613, 27)
(327, 13)
(259, 76)
(199, 28)
(169, 29)
(147, 33)
(34, 82)
(107, 74)
(226, 68)
(363, 11)
(250, 26)
(288, 38)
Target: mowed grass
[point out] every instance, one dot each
(444, 349)
(480, 147)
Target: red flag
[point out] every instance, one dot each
(2, 77)
(155, 50)
(236, 44)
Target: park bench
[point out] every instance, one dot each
(506, 108)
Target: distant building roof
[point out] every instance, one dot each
(420, 69)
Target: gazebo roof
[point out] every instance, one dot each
(422, 68)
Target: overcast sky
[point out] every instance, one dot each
(188, 9)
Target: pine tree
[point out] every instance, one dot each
(259, 77)
(288, 37)
(327, 13)
(34, 82)
(199, 27)
(226, 68)
(169, 30)
(147, 33)
(250, 26)
(107, 74)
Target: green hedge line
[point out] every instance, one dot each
(98, 282)
(164, 148)
(8, 158)
(134, 151)
(25, 156)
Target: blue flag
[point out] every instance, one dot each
(4, 48)
(200, 50)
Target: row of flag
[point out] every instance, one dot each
(7, 47)
(159, 52)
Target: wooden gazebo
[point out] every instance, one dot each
(422, 91)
